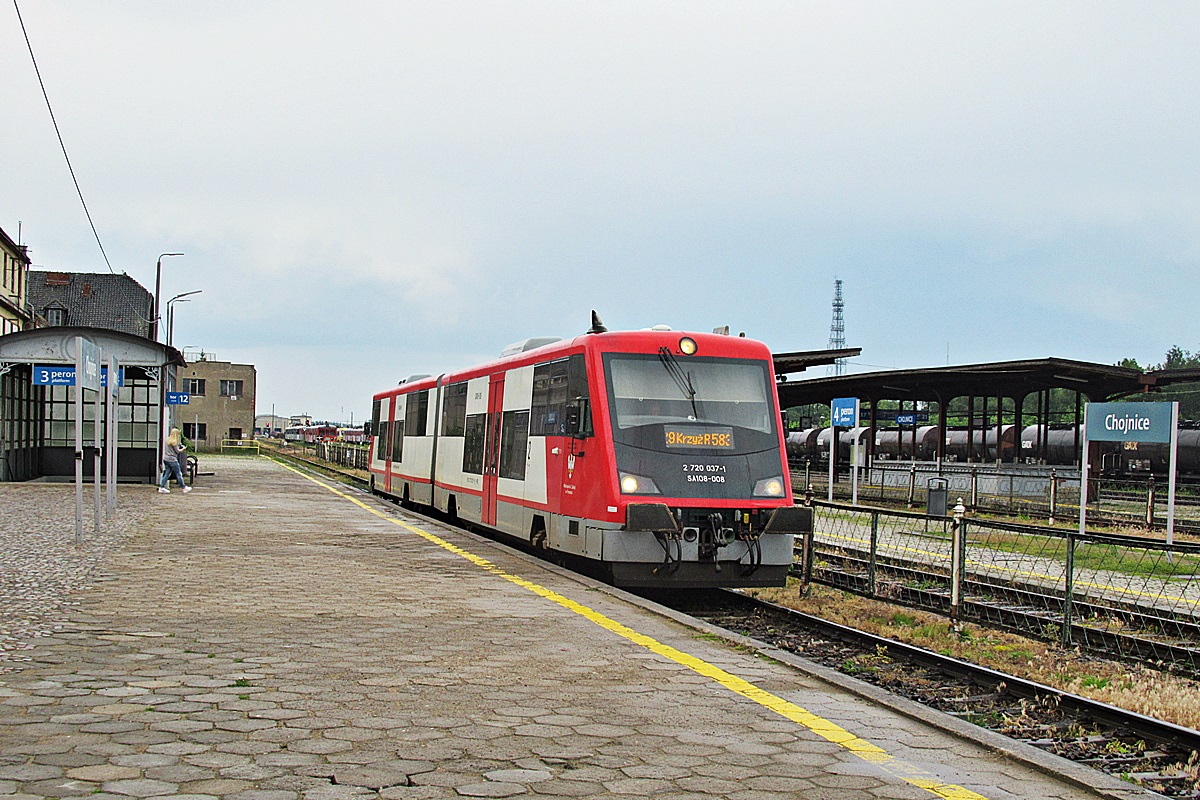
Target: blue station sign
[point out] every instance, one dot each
(178, 398)
(844, 412)
(1129, 422)
(64, 375)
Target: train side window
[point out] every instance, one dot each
(577, 389)
(550, 396)
(382, 445)
(376, 410)
(475, 432)
(398, 441)
(416, 413)
(514, 444)
(454, 410)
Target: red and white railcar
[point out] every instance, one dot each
(315, 434)
(656, 454)
(352, 435)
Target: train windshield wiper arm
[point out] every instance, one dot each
(682, 379)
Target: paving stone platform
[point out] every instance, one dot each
(263, 638)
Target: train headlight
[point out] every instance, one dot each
(636, 484)
(769, 487)
(687, 346)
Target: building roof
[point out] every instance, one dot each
(18, 250)
(94, 300)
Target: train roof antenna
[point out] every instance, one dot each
(597, 325)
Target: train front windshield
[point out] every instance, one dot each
(693, 426)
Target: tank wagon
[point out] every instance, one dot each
(1059, 443)
(656, 457)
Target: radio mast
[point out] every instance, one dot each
(837, 329)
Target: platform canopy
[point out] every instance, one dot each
(788, 363)
(56, 345)
(1015, 379)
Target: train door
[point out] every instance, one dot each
(491, 453)
(390, 432)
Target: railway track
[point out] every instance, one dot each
(1158, 756)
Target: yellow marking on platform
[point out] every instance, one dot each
(824, 728)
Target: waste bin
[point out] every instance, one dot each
(936, 492)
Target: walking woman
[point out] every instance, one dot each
(171, 455)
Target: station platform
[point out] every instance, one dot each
(274, 635)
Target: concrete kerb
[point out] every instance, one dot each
(1084, 777)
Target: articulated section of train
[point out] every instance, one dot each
(655, 455)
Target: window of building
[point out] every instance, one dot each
(193, 386)
(514, 444)
(235, 433)
(231, 389)
(416, 413)
(196, 432)
(56, 317)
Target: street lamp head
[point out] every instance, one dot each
(185, 297)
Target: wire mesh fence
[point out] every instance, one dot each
(1045, 493)
(1128, 597)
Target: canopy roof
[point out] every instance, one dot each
(56, 345)
(1015, 379)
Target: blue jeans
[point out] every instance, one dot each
(170, 468)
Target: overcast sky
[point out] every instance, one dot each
(369, 190)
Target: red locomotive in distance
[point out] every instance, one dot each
(655, 455)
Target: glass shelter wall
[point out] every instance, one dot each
(137, 414)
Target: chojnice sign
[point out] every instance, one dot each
(1131, 422)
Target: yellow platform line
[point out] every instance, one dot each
(824, 728)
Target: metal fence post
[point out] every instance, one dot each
(1053, 494)
(806, 572)
(912, 485)
(1068, 590)
(1150, 503)
(974, 487)
(956, 565)
(871, 558)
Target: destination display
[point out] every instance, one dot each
(695, 438)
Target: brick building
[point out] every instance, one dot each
(221, 404)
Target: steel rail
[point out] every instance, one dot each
(1144, 726)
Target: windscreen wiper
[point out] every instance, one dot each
(682, 379)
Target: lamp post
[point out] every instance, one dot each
(171, 312)
(157, 288)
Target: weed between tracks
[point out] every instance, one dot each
(1139, 689)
